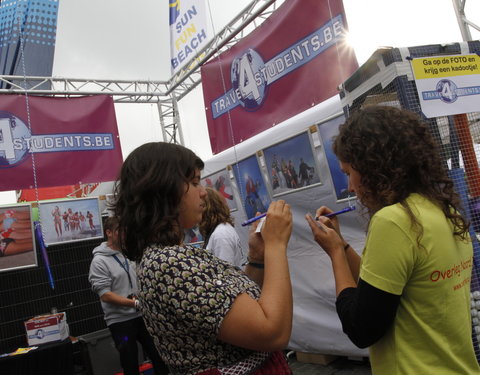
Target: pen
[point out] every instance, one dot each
(253, 219)
(346, 209)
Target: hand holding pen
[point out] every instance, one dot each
(330, 214)
(253, 219)
(336, 213)
(326, 229)
(328, 217)
(325, 217)
(274, 235)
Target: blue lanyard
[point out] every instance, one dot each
(125, 267)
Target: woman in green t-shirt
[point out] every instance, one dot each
(407, 297)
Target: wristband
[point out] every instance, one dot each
(256, 265)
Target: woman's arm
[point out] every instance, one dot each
(265, 324)
(116, 299)
(353, 260)
(333, 244)
(366, 313)
(256, 255)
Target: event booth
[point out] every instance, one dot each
(286, 154)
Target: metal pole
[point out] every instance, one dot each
(459, 6)
(178, 124)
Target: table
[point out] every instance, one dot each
(54, 358)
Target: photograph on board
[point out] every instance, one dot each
(17, 241)
(220, 181)
(253, 192)
(291, 165)
(192, 236)
(328, 130)
(70, 220)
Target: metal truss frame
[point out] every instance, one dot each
(170, 120)
(122, 91)
(463, 22)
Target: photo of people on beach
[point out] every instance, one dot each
(70, 220)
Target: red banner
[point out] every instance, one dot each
(56, 192)
(294, 60)
(48, 142)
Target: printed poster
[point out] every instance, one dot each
(291, 62)
(448, 85)
(47, 142)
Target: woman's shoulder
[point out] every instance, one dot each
(155, 251)
(397, 212)
(158, 248)
(171, 251)
(224, 229)
(225, 226)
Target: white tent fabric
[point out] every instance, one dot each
(316, 327)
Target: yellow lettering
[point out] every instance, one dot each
(186, 34)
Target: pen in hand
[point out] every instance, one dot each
(331, 214)
(253, 219)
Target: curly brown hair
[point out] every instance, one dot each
(396, 155)
(148, 193)
(216, 212)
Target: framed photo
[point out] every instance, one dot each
(192, 236)
(17, 240)
(70, 220)
(328, 130)
(220, 181)
(291, 165)
(253, 192)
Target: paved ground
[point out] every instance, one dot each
(341, 366)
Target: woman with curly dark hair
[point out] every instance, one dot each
(206, 316)
(408, 296)
(218, 232)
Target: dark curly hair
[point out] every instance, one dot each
(216, 212)
(396, 155)
(148, 194)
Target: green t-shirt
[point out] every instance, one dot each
(431, 333)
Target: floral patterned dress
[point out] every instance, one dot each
(186, 292)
